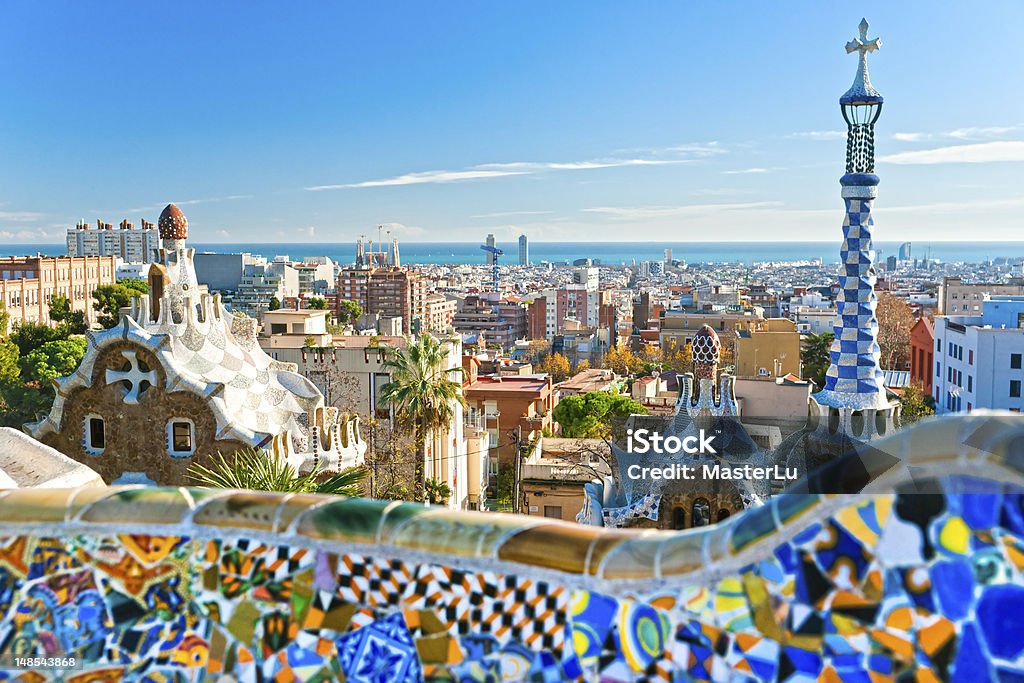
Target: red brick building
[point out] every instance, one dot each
(922, 354)
(505, 403)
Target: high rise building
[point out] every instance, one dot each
(126, 243)
(524, 251)
(491, 256)
(386, 292)
(668, 257)
(905, 251)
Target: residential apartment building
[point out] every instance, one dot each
(922, 354)
(126, 243)
(439, 313)
(315, 275)
(28, 283)
(500, 321)
(572, 306)
(979, 360)
(555, 472)
(678, 327)
(258, 285)
(957, 297)
(386, 292)
(515, 410)
(766, 348)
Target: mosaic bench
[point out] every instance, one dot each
(918, 577)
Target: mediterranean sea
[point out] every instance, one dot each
(608, 253)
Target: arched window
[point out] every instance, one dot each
(157, 277)
(701, 512)
(678, 518)
(722, 514)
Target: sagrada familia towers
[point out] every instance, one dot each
(180, 378)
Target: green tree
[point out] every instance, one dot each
(71, 322)
(274, 304)
(53, 359)
(258, 470)
(349, 311)
(10, 371)
(317, 304)
(423, 390)
(915, 403)
(594, 415)
(29, 393)
(110, 299)
(814, 357)
(29, 336)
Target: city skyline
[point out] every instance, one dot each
(353, 117)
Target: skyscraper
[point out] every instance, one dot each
(491, 256)
(905, 251)
(524, 251)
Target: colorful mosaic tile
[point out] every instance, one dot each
(923, 584)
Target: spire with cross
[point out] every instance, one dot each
(862, 91)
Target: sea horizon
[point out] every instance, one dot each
(608, 253)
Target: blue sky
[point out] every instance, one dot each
(564, 121)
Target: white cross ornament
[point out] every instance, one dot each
(134, 377)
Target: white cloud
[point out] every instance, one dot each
(309, 232)
(980, 153)
(504, 214)
(513, 168)
(968, 133)
(819, 134)
(648, 212)
(747, 171)
(533, 166)
(911, 137)
(28, 235)
(402, 229)
(420, 178)
(975, 133)
(183, 202)
(20, 216)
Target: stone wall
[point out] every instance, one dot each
(916, 578)
(131, 430)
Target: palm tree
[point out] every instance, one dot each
(422, 390)
(258, 470)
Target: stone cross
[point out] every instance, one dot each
(862, 44)
(134, 376)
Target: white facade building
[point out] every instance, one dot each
(127, 243)
(979, 360)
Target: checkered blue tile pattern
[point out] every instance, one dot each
(854, 378)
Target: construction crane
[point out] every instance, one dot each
(495, 253)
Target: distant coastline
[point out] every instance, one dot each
(609, 253)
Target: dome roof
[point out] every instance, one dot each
(707, 348)
(172, 224)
